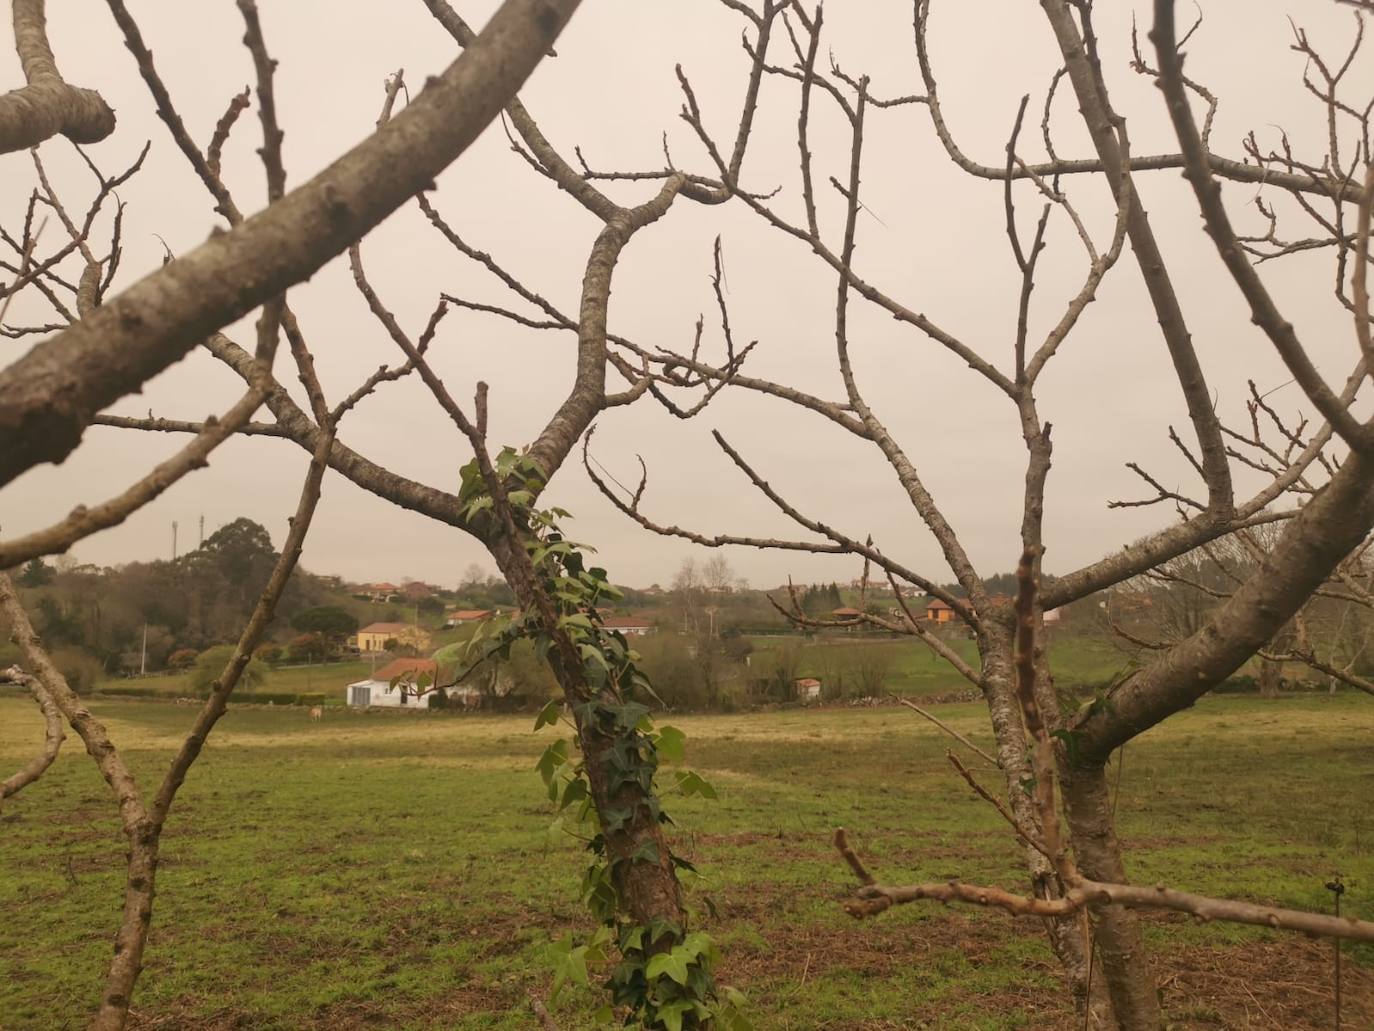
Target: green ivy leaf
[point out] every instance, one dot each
(627, 716)
(671, 1013)
(671, 964)
(480, 504)
(574, 792)
(646, 853)
(569, 964)
(554, 756)
(692, 784)
(729, 1013)
(615, 819)
(699, 944)
(548, 715)
(592, 653)
(1070, 739)
(670, 744)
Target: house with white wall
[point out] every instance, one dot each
(630, 626)
(378, 690)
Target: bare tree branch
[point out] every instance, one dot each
(47, 106)
(157, 321)
(1262, 307)
(949, 730)
(52, 733)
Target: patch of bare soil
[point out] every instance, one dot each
(1282, 983)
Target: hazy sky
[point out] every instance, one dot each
(931, 236)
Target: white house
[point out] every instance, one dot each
(377, 690)
(456, 617)
(630, 626)
(808, 689)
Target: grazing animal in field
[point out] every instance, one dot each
(317, 713)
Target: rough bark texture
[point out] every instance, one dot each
(48, 397)
(648, 891)
(1066, 935)
(588, 395)
(47, 106)
(1269, 678)
(1120, 948)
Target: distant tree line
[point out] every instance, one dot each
(107, 620)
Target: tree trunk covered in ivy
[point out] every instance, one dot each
(627, 809)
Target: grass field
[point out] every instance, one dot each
(382, 870)
(913, 669)
(329, 679)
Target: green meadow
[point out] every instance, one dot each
(396, 870)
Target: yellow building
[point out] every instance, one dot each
(938, 612)
(374, 636)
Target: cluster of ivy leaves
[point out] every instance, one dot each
(664, 975)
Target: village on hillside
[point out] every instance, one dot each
(159, 629)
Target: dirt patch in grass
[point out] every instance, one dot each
(1283, 983)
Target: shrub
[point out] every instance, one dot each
(80, 668)
(182, 658)
(270, 653)
(211, 664)
(308, 648)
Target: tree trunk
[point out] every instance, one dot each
(646, 884)
(1124, 965)
(1068, 937)
(636, 849)
(132, 937)
(1270, 676)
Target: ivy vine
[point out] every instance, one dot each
(664, 975)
